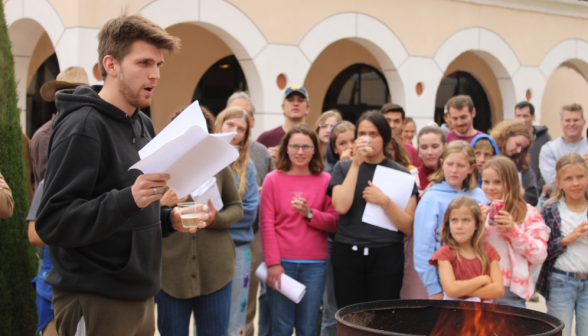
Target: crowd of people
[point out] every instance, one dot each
(294, 199)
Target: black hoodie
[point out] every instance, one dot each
(99, 240)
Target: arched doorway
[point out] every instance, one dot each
(463, 83)
(40, 111)
(358, 88)
(218, 83)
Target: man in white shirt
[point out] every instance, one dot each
(572, 123)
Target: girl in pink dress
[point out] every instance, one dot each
(468, 268)
(521, 234)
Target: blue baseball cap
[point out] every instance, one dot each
(295, 88)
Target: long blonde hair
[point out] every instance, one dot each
(508, 129)
(514, 203)
(458, 146)
(476, 241)
(565, 162)
(240, 165)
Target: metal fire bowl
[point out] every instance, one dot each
(419, 317)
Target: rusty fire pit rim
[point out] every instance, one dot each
(557, 324)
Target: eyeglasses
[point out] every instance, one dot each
(295, 148)
(326, 126)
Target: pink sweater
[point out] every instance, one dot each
(285, 233)
(521, 249)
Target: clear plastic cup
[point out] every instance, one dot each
(368, 144)
(191, 214)
(297, 196)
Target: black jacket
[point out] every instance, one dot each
(541, 138)
(99, 240)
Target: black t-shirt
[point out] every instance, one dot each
(351, 229)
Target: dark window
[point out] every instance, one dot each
(355, 90)
(462, 83)
(219, 82)
(38, 110)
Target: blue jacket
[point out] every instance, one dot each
(496, 151)
(242, 231)
(427, 229)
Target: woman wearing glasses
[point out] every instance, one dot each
(323, 128)
(368, 261)
(295, 216)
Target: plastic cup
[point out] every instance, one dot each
(191, 214)
(297, 196)
(368, 144)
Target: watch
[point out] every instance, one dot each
(309, 215)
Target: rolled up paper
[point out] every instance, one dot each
(290, 288)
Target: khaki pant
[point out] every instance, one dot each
(50, 329)
(256, 259)
(104, 316)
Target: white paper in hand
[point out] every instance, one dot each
(208, 191)
(190, 159)
(395, 184)
(191, 116)
(291, 288)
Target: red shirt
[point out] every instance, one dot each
(424, 174)
(272, 138)
(467, 268)
(452, 136)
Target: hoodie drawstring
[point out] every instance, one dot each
(132, 127)
(142, 126)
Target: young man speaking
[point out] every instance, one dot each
(102, 222)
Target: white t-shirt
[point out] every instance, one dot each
(574, 259)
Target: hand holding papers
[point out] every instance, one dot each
(395, 184)
(291, 288)
(186, 152)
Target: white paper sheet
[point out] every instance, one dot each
(191, 116)
(395, 184)
(190, 159)
(291, 288)
(208, 191)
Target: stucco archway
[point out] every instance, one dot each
(224, 20)
(494, 51)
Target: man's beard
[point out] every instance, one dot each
(133, 98)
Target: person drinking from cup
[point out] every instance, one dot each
(294, 230)
(368, 261)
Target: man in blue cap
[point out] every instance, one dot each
(295, 108)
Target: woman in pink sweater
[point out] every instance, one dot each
(294, 230)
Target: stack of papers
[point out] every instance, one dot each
(186, 152)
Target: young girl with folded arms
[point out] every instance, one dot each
(468, 268)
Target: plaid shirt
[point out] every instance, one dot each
(552, 218)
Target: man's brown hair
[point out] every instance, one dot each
(118, 35)
(458, 102)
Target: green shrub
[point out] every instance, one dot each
(18, 262)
